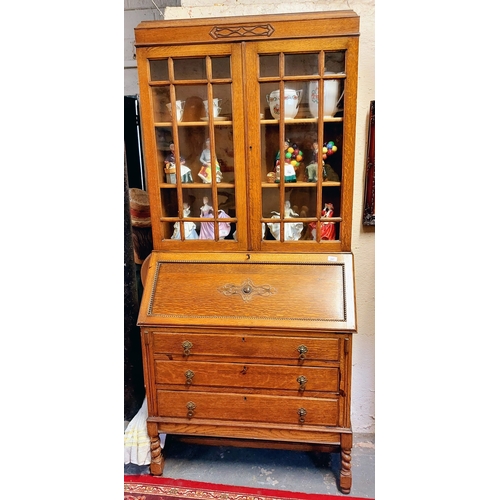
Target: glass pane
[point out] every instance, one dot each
(303, 201)
(190, 100)
(161, 97)
(269, 66)
(221, 103)
(191, 142)
(159, 70)
(335, 62)
(270, 142)
(265, 93)
(163, 141)
(224, 148)
(226, 209)
(190, 69)
(301, 64)
(221, 67)
(332, 151)
(169, 203)
(167, 229)
(226, 201)
(270, 207)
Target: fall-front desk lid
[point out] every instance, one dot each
(261, 290)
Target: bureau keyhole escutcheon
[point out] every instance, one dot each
(187, 346)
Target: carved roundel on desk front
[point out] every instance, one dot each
(241, 31)
(247, 290)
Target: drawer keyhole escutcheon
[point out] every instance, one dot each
(302, 413)
(187, 346)
(189, 376)
(302, 351)
(302, 382)
(190, 406)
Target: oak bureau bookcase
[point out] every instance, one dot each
(248, 309)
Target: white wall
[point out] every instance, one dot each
(135, 12)
(363, 241)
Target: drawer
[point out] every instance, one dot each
(246, 346)
(247, 408)
(247, 375)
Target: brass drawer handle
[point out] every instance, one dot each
(302, 413)
(189, 376)
(190, 406)
(187, 346)
(302, 382)
(302, 351)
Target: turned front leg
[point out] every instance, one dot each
(345, 458)
(157, 460)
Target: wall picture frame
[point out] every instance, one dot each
(369, 198)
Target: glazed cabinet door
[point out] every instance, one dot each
(193, 121)
(301, 98)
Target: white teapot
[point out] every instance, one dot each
(291, 101)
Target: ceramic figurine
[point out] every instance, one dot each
(312, 168)
(206, 167)
(207, 228)
(189, 227)
(224, 227)
(170, 167)
(327, 228)
(206, 210)
(329, 148)
(293, 157)
(293, 230)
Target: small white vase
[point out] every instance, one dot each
(331, 90)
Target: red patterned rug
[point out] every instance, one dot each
(145, 487)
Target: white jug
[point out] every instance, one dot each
(216, 107)
(291, 101)
(179, 107)
(331, 89)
